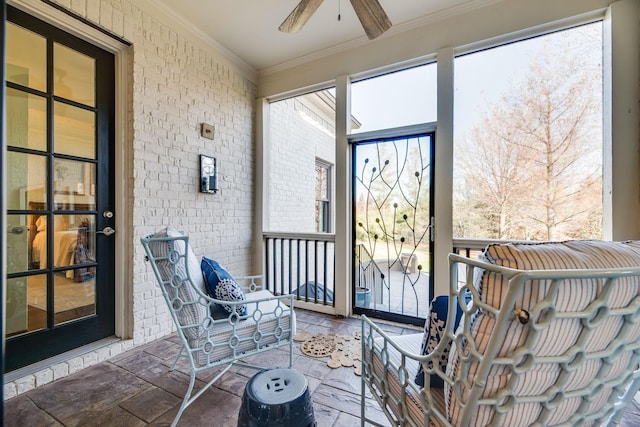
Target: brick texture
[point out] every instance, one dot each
(175, 84)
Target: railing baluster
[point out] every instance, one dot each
(306, 270)
(266, 263)
(276, 270)
(282, 266)
(315, 272)
(324, 268)
(290, 258)
(298, 264)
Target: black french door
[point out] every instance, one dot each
(60, 199)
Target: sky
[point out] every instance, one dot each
(482, 78)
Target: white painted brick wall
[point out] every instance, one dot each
(175, 84)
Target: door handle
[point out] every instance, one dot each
(107, 231)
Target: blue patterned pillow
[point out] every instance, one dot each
(221, 285)
(433, 331)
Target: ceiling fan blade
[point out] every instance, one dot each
(373, 18)
(299, 16)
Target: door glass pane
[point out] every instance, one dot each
(74, 131)
(392, 217)
(73, 185)
(73, 241)
(73, 299)
(38, 242)
(403, 98)
(74, 246)
(26, 180)
(18, 235)
(73, 75)
(26, 58)
(26, 304)
(26, 120)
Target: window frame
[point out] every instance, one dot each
(323, 206)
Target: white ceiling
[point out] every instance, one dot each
(249, 28)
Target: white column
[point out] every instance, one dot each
(621, 136)
(261, 184)
(343, 250)
(443, 172)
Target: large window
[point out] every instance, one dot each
(302, 131)
(402, 98)
(528, 139)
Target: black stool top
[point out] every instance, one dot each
(277, 386)
(277, 397)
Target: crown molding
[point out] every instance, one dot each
(169, 18)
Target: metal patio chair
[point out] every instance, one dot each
(210, 339)
(549, 335)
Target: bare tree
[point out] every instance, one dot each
(495, 173)
(533, 163)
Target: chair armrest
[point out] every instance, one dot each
(384, 340)
(370, 329)
(389, 366)
(252, 283)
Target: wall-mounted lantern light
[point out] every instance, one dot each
(208, 174)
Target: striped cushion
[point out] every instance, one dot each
(576, 254)
(182, 293)
(559, 339)
(266, 323)
(402, 395)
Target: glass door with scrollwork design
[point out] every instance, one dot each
(392, 205)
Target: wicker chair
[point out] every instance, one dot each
(549, 335)
(209, 339)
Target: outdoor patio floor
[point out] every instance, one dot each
(136, 388)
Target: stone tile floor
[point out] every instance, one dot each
(137, 389)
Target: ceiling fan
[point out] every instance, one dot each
(373, 18)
